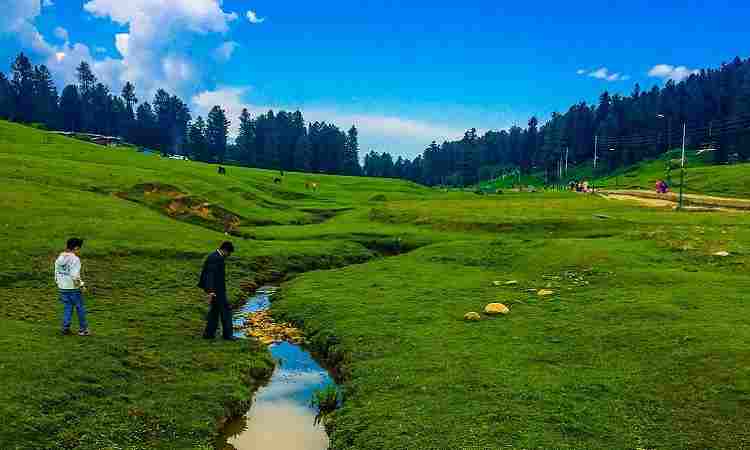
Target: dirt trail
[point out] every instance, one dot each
(669, 200)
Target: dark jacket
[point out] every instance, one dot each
(213, 277)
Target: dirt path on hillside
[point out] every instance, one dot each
(670, 200)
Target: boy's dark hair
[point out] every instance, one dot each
(227, 247)
(73, 243)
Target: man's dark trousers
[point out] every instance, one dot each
(219, 309)
(213, 279)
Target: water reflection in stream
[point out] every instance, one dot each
(281, 417)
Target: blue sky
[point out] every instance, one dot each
(405, 74)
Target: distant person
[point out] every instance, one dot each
(70, 284)
(213, 283)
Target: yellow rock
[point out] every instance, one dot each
(472, 316)
(545, 292)
(496, 308)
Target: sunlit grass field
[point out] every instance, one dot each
(642, 344)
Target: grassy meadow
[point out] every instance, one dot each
(642, 343)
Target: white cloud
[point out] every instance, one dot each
(604, 74)
(377, 131)
(17, 14)
(18, 20)
(581, 71)
(61, 33)
(100, 49)
(177, 70)
(48, 3)
(156, 49)
(223, 53)
(669, 72)
(252, 16)
(121, 43)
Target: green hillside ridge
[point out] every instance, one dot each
(641, 344)
(701, 176)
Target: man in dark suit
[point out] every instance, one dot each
(213, 282)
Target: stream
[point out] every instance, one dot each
(281, 416)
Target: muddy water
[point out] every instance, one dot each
(281, 417)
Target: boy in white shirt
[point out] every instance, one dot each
(68, 279)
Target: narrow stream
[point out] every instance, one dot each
(281, 417)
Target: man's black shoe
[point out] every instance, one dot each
(233, 338)
(65, 332)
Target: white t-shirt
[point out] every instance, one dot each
(68, 271)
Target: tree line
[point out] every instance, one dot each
(714, 106)
(279, 140)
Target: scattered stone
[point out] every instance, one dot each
(261, 326)
(496, 308)
(472, 316)
(545, 292)
(532, 291)
(721, 254)
(511, 283)
(602, 216)
(497, 283)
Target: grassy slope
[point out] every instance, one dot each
(700, 177)
(649, 353)
(145, 380)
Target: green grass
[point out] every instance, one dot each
(643, 344)
(701, 176)
(649, 353)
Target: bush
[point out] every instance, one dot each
(326, 401)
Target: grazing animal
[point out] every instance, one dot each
(277, 180)
(222, 171)
(231, 222)
(310, 185)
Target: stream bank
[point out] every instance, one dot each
(281, 416)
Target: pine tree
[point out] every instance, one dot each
(217, 130)
(198, 147)
(99, 109)
(86, 79)
(7, 99)
(146, 132)
(128, 95)
(302, 154)
(45, 97)
(70, 108)
(23, 89)
(86, 84)
(351, 153)
(246, 139)
(130, 99)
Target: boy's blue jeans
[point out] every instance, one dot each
(69, 300)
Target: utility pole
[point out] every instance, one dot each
(682, 170)
(566, 161)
